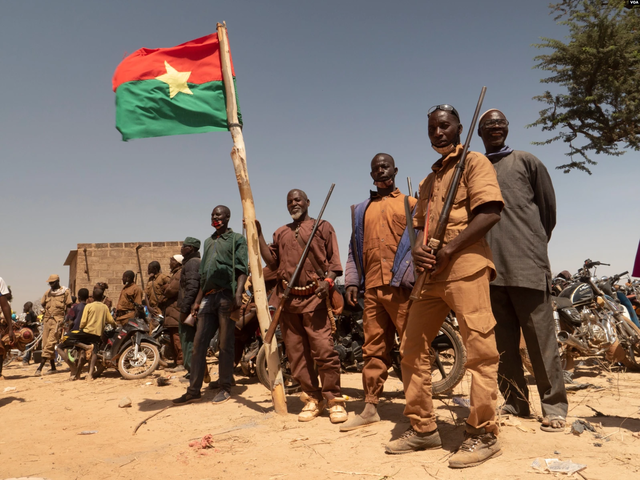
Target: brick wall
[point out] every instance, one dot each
(107, 262)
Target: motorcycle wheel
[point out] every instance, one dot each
(452, 356)
(147, 361)
(290, 385)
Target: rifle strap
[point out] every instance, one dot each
(354, 244)
(312, 258)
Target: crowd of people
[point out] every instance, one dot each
(491, 269)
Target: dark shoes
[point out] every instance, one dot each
(216, 384)
(187, 398)
(412, 441)
(221, 397)
(475, 450)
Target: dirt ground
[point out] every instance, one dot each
(43, 419)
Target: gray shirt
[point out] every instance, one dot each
(519, 240)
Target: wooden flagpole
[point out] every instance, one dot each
(238, 155)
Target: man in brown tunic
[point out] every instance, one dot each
(305, 322)
(129, 296)
(56, 301)
(155, 287)
(458, 279)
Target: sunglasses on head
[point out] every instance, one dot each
(445, 108)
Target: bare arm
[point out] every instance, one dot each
(265, 251)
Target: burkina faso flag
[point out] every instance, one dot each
(171, 91)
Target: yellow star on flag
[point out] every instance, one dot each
(176, 80)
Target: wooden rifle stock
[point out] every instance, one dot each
(436, 240)
(296, 273)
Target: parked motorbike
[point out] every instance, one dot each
(130, 349)
(589, 322)
(449, 357)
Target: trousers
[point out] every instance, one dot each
(385, 313)
(176, 344)
(213, 315)
(469, 298)
(518, 308)
(308, 340)
(187, 335)
(51, 336)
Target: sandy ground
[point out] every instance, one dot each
(42, 420)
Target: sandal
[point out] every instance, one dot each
(548, 427)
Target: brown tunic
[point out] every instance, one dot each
(126, 308)
(55, 306)
(286, 251)
(155, 291)
(479, 185)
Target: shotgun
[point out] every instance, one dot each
(296, 273)
(436, 240)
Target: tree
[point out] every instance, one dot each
(598, 72)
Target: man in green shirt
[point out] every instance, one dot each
(223, 272)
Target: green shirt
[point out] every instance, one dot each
(222, 255)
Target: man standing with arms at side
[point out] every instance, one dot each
(130, 295)
(189, 288)
(55, 303)
(305, 322)
(379, 265)
(223, 272)
(458, 279)
(520, 293)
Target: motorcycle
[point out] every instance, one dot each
(589, 322)
(130, 349)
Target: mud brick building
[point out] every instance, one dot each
(106, 262)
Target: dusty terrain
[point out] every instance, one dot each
(42, 421)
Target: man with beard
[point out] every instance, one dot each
(305, 322)
(379, 265)
(130, 295)
(458, 279)
(55, 303)
(171, 311)
(155, 287)
(520, 293)
(223, 272)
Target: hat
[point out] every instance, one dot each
(53, 278)
(192, 242)
(178, 258)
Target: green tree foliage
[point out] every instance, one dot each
(598, 70)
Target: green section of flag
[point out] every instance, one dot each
(144, 109)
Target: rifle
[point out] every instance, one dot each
(441, 227)
(296, 273)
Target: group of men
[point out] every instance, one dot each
(491, 269)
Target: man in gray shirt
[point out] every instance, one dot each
(520, 293)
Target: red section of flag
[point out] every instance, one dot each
(201, 57)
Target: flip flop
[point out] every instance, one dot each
(549, 428)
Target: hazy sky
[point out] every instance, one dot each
(323, 86)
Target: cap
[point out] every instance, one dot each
(178, 258)
(53, 278)
(192, 242)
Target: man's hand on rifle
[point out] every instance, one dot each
(351, 295)
(423, 259)
(237, 302)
